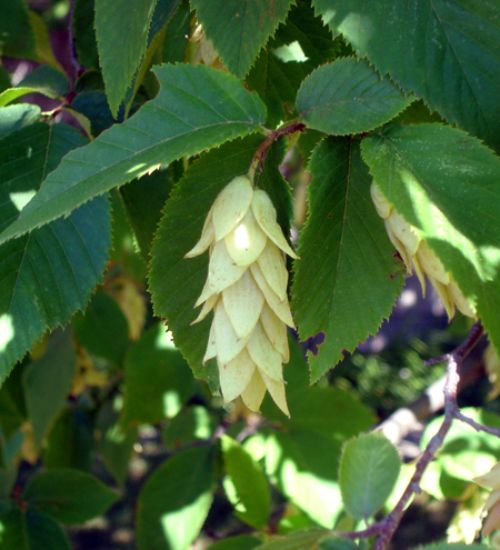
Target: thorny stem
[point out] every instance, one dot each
(385, 528)
(261, 152)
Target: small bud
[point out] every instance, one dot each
(246, 289)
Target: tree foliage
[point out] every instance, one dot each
(120, 124)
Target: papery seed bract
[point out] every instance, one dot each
(246, 289)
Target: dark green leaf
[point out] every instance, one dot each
(175, 284)
(240, 28)
(103, 329)
(47, 383)
(157, 379)
(16, 36)
(196, 108)
(296, 541)
(46, 80)
(245, 484)
(177, 35)
(70, 442)
(175, 500)
(347, 279)
(46, 276)
(348, 97)
(369, 468)
(115, 444)
(191, 424)
(31, 530)
(446, 52)
(15, 117)
(84, 33)
(144, 200)
(452, 546)
(119, 64)
(443, 181)
(240, 542)
(68, 495)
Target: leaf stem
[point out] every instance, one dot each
(261, 152)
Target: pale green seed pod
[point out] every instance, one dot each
(246, 288)
(419, 258)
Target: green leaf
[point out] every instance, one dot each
(70, 441)
(144, 200)
(15, 117)
(369, 468)
(46, 80)
(196, 108)
(303, 464)
(452, 546)
(46, 276)
(348, 97)
(296, 541)
(16, 36)
(347, 279)
(84, 33)
(119, 64)
(446, 52)
(240, 28)
(115, 444)
(175, 500)
(443, 181)
(68, 495)
(177, 35)
(31, 530)
(103, 329)
(239, 542)
(245, 484)
(175, 284)
(329, 411)
(154, 357)
(47, 384)
(191, 424)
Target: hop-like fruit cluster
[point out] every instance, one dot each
(418, 257)
(491, 480)
(246, 288)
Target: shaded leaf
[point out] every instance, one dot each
(154, 358)
(296, 541)
(144, 200)
(245, 484)
(15, 117)
(240, 28)
(239, 542)
(16, 36)
(348, 97)
(47, 384)
(68, 495)
(31, 530)
(84, 33)
(175, 500)
(369, 468)
(103, 329)
(191, 424)
(48, 275)
(347, 279)
(196, 108)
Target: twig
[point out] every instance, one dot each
(385, 528)
(477, 425)
(261, 152)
